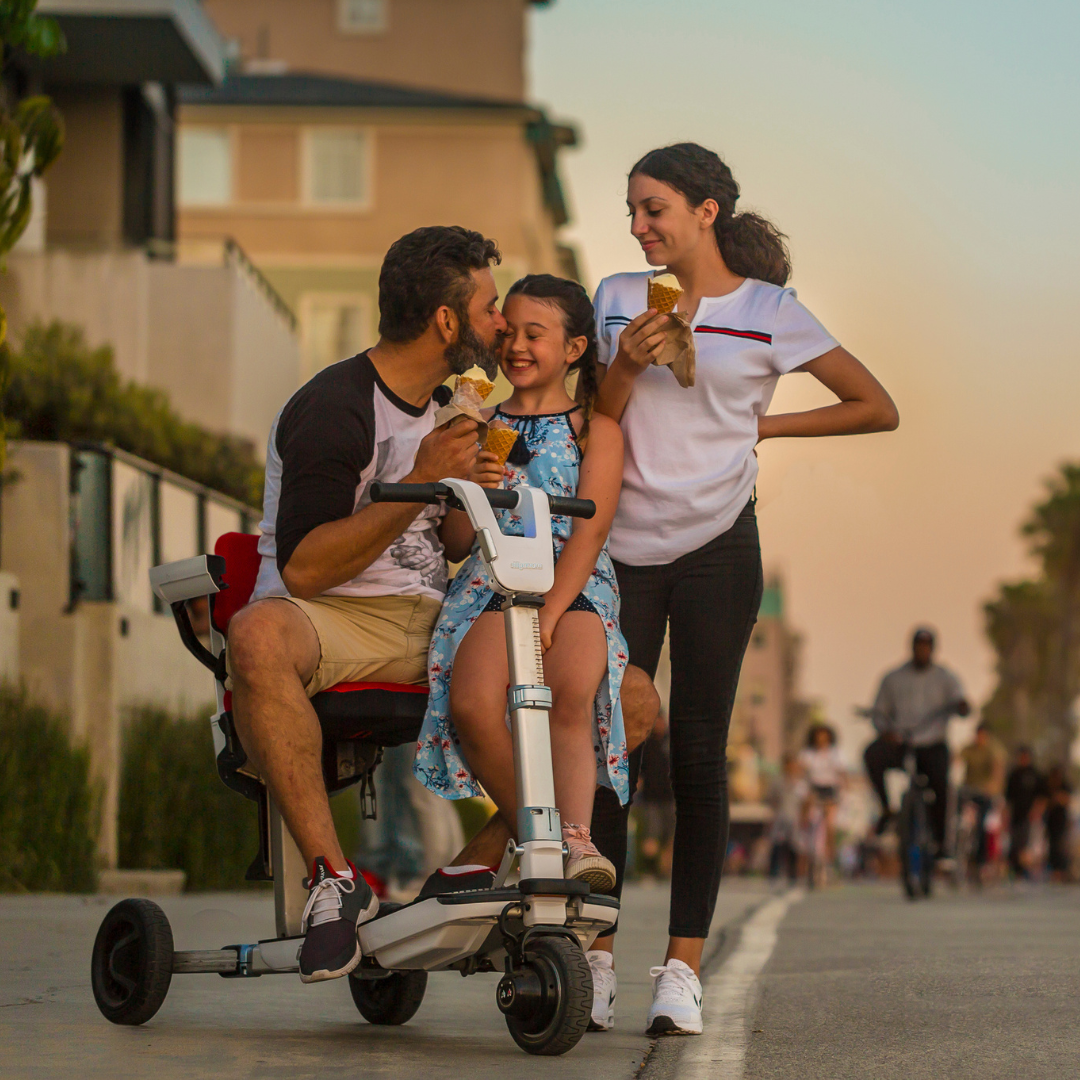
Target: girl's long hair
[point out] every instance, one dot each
(751, 246)
(578, 321)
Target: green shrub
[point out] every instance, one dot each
(61, 389)
(48, 805)
(175, 814)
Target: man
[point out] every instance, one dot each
(1025, 794)
(349, 590)
(984, 781)
(912, 709)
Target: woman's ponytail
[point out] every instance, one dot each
(750, 245)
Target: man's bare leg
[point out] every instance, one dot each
(641, 706)
(273, 652)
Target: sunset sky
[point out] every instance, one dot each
(923, 159)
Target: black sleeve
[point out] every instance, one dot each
(326, 437)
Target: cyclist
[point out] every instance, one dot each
(912, 710)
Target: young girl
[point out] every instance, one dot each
(465, 740)
(684, 540)
(823, 769)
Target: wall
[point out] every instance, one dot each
(86, 182)
(473, 47)
(203, 334)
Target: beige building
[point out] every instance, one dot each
(349, 126)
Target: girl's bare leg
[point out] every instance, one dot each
(478, 708)
(573, 668)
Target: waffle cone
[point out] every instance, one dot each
(500, 441)
(662, 298)
(482, 388)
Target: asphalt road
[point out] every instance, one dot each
(276, 1027)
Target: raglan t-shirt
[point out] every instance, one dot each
(335, 435)
(690, 465)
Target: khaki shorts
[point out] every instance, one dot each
(370, 638)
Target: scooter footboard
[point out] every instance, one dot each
(441, 931)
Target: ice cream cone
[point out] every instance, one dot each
(500, 441)
(664, 293)
(481, 386)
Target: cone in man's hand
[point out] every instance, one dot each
(664, 293)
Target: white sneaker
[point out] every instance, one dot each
(604, 986)
(676, 1007)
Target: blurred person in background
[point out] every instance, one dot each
(1025, 795)
(1058, 824)
(655, 803)
(823, 769)
(984, 783)
(912, 709)
(786, 796)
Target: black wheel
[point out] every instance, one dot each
(548, 1001)
(392, 999)
(916, 866)
(132, 963)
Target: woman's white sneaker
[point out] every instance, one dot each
(604, 986)
(676, 1007)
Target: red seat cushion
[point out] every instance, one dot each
(352, 687)
(242, 560)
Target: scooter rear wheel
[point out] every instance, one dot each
(560, 999)
(392, 999)
(131, 967)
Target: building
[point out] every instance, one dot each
(344, 125)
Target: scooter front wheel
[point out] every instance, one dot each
(548, 1000)
(131, 967)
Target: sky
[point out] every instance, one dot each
(923, 160)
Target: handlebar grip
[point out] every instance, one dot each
(582, 508)
(407, 493)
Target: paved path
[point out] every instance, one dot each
(274, 1026)
(856, 983)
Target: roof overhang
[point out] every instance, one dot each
(119, 42)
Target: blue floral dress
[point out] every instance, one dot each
(554, 458)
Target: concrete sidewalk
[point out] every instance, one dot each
(275, 1026)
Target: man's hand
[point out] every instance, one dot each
(449, 450)
(486, 470)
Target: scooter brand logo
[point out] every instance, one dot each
(526, 566)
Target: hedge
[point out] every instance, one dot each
(48, 805)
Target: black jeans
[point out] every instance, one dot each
(711, 597)
(932, 761)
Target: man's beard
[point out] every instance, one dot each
(470, 350)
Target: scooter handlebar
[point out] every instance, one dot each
(499, 498)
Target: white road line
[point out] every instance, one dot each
(720, 1052)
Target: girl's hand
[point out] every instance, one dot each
(486, 470)
(641, 342)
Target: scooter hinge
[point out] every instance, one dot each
(530, 697)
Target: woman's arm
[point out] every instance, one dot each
(639, 344)
(601, 481)
(864, 405)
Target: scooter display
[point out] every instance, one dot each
(533, 924)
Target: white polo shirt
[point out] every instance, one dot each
(690, 464)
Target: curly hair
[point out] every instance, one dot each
(750, 245)
(426, 269)
(578, 321)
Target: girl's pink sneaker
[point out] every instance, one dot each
(584, 862)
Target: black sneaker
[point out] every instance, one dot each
(457, 879)
(333, 915)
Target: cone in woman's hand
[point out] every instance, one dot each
(664, 293)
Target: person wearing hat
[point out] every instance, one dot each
(912, 709)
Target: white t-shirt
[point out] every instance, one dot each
(690, 465)
(823, 768)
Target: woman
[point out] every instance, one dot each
(684, 540)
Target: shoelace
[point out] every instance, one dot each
(324, 903)
(579, 835)
(673, 983)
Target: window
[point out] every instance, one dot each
(362, 16)
(205, 166)
(335, 327)
(337, 167)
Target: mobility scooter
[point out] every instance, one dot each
(533, 924)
